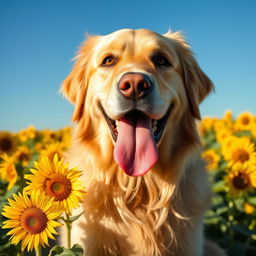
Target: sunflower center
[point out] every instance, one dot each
(33, 220)
(245, 120)
(23, 157)
(59, 187)
(241, 181)
(5, 144)
(209, 159)
(240, 155)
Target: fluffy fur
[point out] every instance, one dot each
(161, 212)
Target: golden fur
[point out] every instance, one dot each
(161, 212)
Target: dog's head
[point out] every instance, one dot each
(135, 87)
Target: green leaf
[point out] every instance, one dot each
(76, 217)
(72, 219)
(57, 250)
(212, 218)
(13, 190)
(221, 210)
(252, 200)
(243, 133)
(219, 186)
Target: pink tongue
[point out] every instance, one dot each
(135, 149)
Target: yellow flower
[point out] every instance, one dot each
(223, 133)
(219, 125)
(248, 208)
(240, 179)
(57, 181)
(253, 130)
(228, 116)
(227, 141)
(207, 124)
(8, 142)
(23, 155)
(52, 149)
(8, 171)
(62, 135)
(49, 136)
(239, 150)
(244, 121)
(212, 158)
(26, 134)
(31, 219)
(65, 136)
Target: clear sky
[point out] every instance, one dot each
(38, 39)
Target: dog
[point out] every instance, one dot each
(136, 96)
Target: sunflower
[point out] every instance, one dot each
(65, 136)
(57, 181)
(28, 133)
(49, 136)
(223, 133)
(8, 142)
(212, 159)
(206, 125)
(31, 219)
(228, 116)
(23, 155)
(248, 208)
(239, 150)
(227, 141)
(240, 179)
(8, 171)
(244, 121)
(53, 148)
(253, 130)
(62, 135)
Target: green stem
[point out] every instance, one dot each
(22, 181)
(39, 250)
(68, 226)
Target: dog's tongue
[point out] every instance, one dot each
(135, 149)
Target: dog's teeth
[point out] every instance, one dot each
(117, 126)
(154, 123)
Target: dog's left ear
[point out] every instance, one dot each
(196, 82)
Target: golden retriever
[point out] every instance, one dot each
(136, 95)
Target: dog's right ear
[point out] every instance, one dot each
(74, 86)
(196, 82)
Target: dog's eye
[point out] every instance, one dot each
(161, 61)
(109, 61)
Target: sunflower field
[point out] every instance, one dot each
(37, 193)
(38, 190)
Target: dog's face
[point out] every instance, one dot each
(136, 86)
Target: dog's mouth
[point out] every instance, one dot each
(136, 136)
(157, 125)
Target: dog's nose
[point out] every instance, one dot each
(134, 85)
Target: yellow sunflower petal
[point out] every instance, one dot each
(25, 241)
(31, 243)
(10, 223)
(44, 237)
(15, 230)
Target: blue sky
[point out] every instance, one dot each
(39, 39)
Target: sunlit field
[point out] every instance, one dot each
(38, 190)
